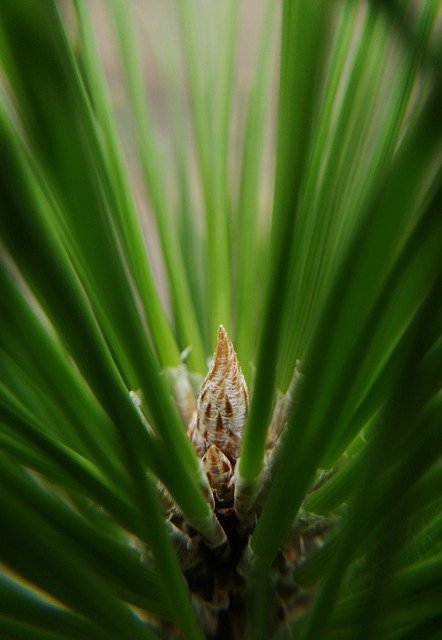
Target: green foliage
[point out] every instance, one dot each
(342, 275)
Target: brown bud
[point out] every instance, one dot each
(219, 471)
(223, 400)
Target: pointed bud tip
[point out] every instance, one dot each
(223, 343)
